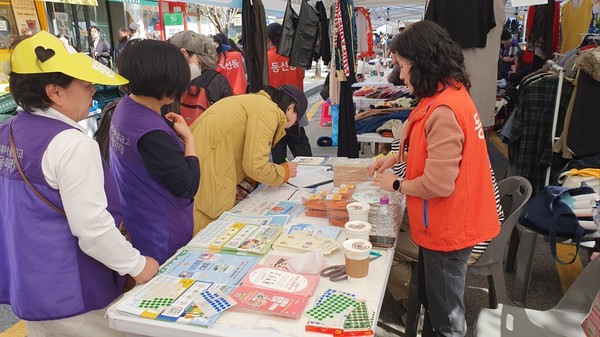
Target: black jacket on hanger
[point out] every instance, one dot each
(305, 38)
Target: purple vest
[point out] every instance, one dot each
(43, 272)
(159, 222)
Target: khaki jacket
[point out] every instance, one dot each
(233, 139)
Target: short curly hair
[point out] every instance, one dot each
(29, 90)
(434, 56)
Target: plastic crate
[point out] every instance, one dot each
(363, 103)
(106, 94)
(7, 104)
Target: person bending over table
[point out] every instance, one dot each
(234, 138)
(448, 185)
(153, 157)
(62, 257)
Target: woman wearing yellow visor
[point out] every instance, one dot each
(62, 257)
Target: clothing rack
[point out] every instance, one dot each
(561, 75)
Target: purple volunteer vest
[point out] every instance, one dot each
(159, 222)
(43, 273)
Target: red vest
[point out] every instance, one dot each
(281, 73)
(231, 65)
(468, 216)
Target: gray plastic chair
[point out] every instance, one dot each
(514, 192)
(521, 252)
(563, 320)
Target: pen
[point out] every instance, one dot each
(375, 253)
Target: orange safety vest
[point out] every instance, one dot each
(281, 73)
(231, 65)
(468, 216)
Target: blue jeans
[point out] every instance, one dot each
(444, 279)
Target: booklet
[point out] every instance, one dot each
(327, 232)
(269, 301)
(259, 206)
(278, 280)
(310, 160)
(214, 267)
(175, 299)
(240, 233)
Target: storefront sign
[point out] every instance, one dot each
(76, 2)
(25, 17)
(173, 23)
(62, 21)
(220, 3)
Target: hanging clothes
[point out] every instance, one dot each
(467, 21)
(288, 30)
(305, 38)
(325, 50)
(576, 18)
(529, 146)
(584, 139)
(364, 34)
(345, 50)
(542, 31)
(254, 30)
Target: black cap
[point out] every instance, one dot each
(298, 95)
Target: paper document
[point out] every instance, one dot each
(311, 176)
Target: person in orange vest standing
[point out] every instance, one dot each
(231, 65)
(281, 73)
(448, 183)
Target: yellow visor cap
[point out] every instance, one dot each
(45, 53)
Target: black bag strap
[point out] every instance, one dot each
(204, 82)
(13, 152)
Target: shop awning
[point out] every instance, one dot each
(76, 2)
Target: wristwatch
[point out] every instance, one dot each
(397, 184)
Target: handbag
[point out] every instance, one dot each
(547, 213)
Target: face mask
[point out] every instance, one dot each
(194, 70)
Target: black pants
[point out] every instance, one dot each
(298, 144)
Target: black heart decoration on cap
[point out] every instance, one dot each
(44, 54)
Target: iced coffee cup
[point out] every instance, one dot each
(357, 253)
(357, 230)
(358, 211)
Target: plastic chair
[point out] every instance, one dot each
(564, 319)
(514, 192)
(522, 249)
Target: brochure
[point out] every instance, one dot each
(278, 280)
(228, 269)
(175, 299)
(269, 301)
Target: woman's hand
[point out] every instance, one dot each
(183, 131)
(180, 127)
(385, 180)
(383, 164)
(292, 169)
(150, 269)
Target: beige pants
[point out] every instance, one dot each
(90, 324)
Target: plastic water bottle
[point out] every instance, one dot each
(384, 218)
